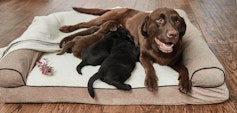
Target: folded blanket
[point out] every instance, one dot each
(43, 34)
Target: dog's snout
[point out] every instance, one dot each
(172, 34)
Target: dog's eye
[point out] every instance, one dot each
(177, 21)
(160, 21)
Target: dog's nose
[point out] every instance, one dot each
(172, 34)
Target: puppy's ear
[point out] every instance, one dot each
(182, 27)
(144, 26)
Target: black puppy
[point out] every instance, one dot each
(117, 67)
(97, 52)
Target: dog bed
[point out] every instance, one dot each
(22, 82)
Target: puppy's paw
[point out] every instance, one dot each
(151, 82)
(185, 86)
(125, 87)
(67, 29)
(128, 87)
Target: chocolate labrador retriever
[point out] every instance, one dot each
(79, 43)
(158, 33)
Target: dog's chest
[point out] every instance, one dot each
(163, 59)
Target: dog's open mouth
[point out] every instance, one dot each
(166, 47)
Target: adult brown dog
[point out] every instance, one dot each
(79, 43)
(158, 33)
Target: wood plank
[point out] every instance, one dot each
(80, 108)
(169, 3)
(30, 108)
(10, 108)
(205, 21)
(115, 109)
(224, 20)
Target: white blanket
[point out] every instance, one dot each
(66, 75)
(43, 35)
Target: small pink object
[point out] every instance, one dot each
(44, 67)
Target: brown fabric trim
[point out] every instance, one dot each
(16, 67)
(209, 68)
(21, 76)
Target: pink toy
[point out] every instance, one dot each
(44, 68)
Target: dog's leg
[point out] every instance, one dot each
(185, 84)
(121, 85)
(94, 22)
(67, 47)
(88, 31)
(93, 11)
(77, 52)
(117, 84)
(110, 15)
(151, 80)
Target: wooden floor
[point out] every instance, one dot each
(217, 19)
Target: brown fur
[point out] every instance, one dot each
(79, 43)
(88, 31)
(162, 24)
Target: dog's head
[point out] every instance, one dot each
(163, 28)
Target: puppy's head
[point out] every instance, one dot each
(164, 29)
(111, 25)
(124, 34)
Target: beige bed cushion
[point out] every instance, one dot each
(15, 67)
(168, 95)
(204, 68)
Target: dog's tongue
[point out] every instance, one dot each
(165, 47)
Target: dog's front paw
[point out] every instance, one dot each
(67, 29)
(151, 82)
(185, 86)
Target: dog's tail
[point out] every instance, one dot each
(90, 84)
(92, 11)
(67, 47)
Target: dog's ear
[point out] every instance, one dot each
(144, 26)
(182, 27)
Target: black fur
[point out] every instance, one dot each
(96, 53)
(118, 65)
